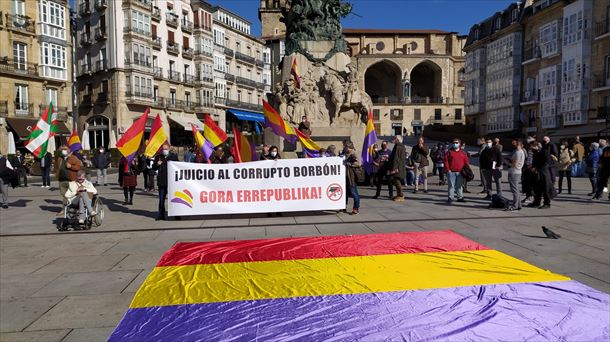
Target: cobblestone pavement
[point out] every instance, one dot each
(76, 286)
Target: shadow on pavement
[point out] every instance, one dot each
(58, 202)
(115, 205)
(19, 203)
(50, 209)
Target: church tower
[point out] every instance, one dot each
(269, 13)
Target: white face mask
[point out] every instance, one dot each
(64, 153)
(101, 151)
(166, 153)
(489, 145)
(273, 154)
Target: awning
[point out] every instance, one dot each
(590, 130)
(247, 116)
(186, 121)
(23, 127)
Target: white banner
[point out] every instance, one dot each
(288, 185)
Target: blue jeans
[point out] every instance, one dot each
(353, 192)
(455, 181)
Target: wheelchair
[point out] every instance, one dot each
(71, 216)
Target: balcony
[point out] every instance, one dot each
(102, 98)
(190, 79)
(173, 48)
(84, 9)
(158, 72)
(20, 23)
(138, 97)
(156, 14)
(205, 78)
(143, 4)
(101, 5)
(228, 52)
(221, 101)
(100, 33)
(24, 109)
(3, 109)
(171, 19)
(62, 112)
(187, 53)
(244, 105)
(188, 106)
(245, 82)
(531, 54)
(602, 28)
(173, 76)
(156, 43)
(230, 78)
(86, 101)
(530, 97)
(137, 61)
(245, 58)
(199, 52)
(14, 67)
(101, 66)
(85, 69)
(141, 32)
(600, 82)
(393, 100)
(260, 86)
(172, 104)
(260, 64)
(85, 39)
(187, 26)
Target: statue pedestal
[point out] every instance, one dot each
(338, 62)
(323, 136)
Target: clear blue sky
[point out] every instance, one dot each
(448, 15)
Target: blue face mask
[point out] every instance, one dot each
(456, 146)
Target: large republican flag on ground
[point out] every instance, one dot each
(45, 128)
(129, 144)
(421, 286)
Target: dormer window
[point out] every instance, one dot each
(498, 23)
(476, 34)
(515, 15)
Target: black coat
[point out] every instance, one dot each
(541, 164)
(8, 176)
(101, 161)
(397, 161)
(48, 160)
(488, 156)
(420, 155)
(162, 169)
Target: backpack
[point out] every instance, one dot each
(498, 202)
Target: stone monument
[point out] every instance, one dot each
(328, 92)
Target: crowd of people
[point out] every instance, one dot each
(534, 169)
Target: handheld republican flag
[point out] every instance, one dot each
(45, 129)
(157, 138)
(212, 133)
(370, 138)
(244, 151)
(310, 148)
(202, 143)
(74, 142)
(274, 120)
(294, 71)
(130, 142)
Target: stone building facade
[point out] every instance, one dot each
(414, 77)
(35, 66)
(600, 65)
(176, 57)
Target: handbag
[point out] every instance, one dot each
(467, 173)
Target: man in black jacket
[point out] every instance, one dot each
(398, 170)
(160, 166)
(490, 162)
(7, 176)
(101, 162)
(18, 163)
(46, 164)
(543, 186)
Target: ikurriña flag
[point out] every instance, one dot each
(415, 286)
(274, 121)
(74, 142)
(202, 143)
(370, 138)
(157, 138)
(130, 142)
(243, 151)
(45, 129)
(310, 148)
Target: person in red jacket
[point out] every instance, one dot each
(455, 160)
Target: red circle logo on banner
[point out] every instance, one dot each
(334, 192)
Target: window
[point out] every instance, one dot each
(607, 71)
(549, 38)
(500, 120)
(156, 93)
(142, 86)
(99, 135)
(187, 98)
(18, 7)
(498, 24)
(458, 114)
(573, 28)
(21, 99)
(51, 96)
(20, 56)
(172, 96)
(514, 15)
(53, 61)
(53, 19)
(219, 37)
(417, 114)
(220, 89)
(140, 22)
(438, 114)
(141, 54)
(239, 99)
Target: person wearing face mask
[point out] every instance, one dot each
(490, 161)
(551, 147)
(128, 178)
(566, 158)
(79, 193)
(455, 161)
(67, 166)
(592, 162)
(274, 153)
(383, 169)
(514, 174)
(160, 166)
(352, 162)
(101, 162)
(46, 162)
(543, 186)
(220, 157)
(18, 162)
(527, 177)
(397, 168)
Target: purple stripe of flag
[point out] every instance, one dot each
(367, 156)
(207, 149)
(553, 311)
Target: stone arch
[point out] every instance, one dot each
(383, 79)
(426, 81)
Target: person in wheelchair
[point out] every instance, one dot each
(79, 194)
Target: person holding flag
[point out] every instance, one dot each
(45, 129)
(160, 165)
(153, 145)
(67, 165)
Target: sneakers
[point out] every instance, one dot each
(461, 200)
(533, 205)
(81, 221)
(546, 206)
(527, 199)
(93, 213)
(355, 212)
(398, 199)
(61, 213)
(511, 208)
(4, 206)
